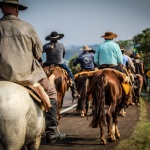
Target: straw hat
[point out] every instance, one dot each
(137, 56)
(13, 2)
(86, 48)
(109, 35)
(54, 36)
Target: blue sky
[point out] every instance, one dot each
(84, 21)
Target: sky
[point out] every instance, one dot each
(83, 22)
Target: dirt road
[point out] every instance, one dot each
(81, 137)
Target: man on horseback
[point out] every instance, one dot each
(55, 53)
(108, 53)
(86, 59)
(139, 69)
(19, 51)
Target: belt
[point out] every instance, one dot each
(87, 69)
(107, 65)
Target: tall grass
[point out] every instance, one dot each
(140, 138)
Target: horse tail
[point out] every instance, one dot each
(99, 101)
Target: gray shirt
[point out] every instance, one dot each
(54, 53)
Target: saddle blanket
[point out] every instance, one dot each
(122, 76)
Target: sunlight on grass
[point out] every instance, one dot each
(140, 139)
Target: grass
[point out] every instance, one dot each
(140, 138)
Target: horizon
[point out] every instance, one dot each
(83, 22)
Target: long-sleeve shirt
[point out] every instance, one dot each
(108, 53)
(20, 48)
(125, 60)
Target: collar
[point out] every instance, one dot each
(10, 17)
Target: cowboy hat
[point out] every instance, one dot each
(137, 56)
(54, 36)
(109, 35)
(13, 2)
(122, 49)
(86, 48)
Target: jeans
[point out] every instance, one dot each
(64, 66)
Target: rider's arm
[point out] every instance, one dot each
(119, 56)
(96, 56)
(36, 46)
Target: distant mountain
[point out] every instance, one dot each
(73, 50)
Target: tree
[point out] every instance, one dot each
(142, 40)
(73, 69)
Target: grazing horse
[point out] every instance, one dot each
(59, 78)
(82, 85)
(21, 119)
(106, 89)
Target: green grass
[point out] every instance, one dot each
(140, 138)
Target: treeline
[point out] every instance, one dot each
(140, 43)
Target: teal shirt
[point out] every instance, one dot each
(108, 53)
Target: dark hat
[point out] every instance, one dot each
(13, 2)
(109, 35)
(54, 36)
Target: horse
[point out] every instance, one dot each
(106, 89)
(58, 77)
(22, 121)
(84, 101)
(138, 88)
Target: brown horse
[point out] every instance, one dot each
(137, 90)
(59, 77)
(106, 89)
(82, 85)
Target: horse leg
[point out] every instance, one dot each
(115, 127)
(102, 138)
(60, 103)
(35, 144)
(111, 133)
(89, 103)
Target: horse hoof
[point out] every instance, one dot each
(117, 136)
(82, 115)
(133, 104)
(111, 137)
(103, 141)
(123, 114)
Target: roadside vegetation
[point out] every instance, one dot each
(140, 138)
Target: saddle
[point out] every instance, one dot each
(49, 71)
(37, 92)
(123, 77)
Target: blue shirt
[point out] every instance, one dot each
(125, 59)
(108, 53)
(86, 60)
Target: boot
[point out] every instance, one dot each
(75, 94)
(52, 131)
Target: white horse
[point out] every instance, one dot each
(21, 120)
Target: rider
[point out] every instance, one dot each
(139, 69)
(86, 59)
(20, 49)
(55, 53)
(108, 53)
